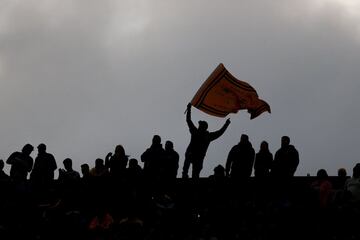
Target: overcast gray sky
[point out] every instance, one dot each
(84, 76)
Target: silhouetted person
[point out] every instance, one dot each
(21, 163)
(199, 143)
(240, 160)
(68, 174)
(342, 173)
(286, 159)
(171, 161)
(44, 167)
(69, 185)
(263, 161)
(3, 175)
(340, 195)
(323, 188)
(99, 170)
(352, 185)
(134, 171)
(85, 170)
(219, 173)
(153, 157)
(339, 182)
(117, 162)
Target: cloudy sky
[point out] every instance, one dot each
(84, 76)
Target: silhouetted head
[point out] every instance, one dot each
(264, 146)
(133, 163)
(203, 126)
(119, 150)
(285, 141)
(219, 171)
(1, 164)
(27, 149)
(85, 169)
(67, 164)
(356, 171)
(41, 148)
(99, 163)
(342, 172)
(322, 174)
(156, 140)
(244, 138)
(169, 145)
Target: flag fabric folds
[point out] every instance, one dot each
(222, 94)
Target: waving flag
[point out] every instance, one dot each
(222, 94)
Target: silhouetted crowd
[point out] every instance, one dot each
(119, 199)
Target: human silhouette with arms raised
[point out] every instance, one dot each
(199, 143)
(21, 163)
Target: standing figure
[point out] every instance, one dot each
(263, 161)
(171, 161)
(323, 189)
(85, 171)
(117, 163)
(70, 185)
(134, 171)
(352, 186)
(153, 158)
(99, 170)
(44, 167)
(240, 160)
(286, 159)
(339, 181)
(21, 163)
(68, 175)
(199, 143)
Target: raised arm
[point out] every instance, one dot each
(218, 133)
(191, 125)
(11, 159)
